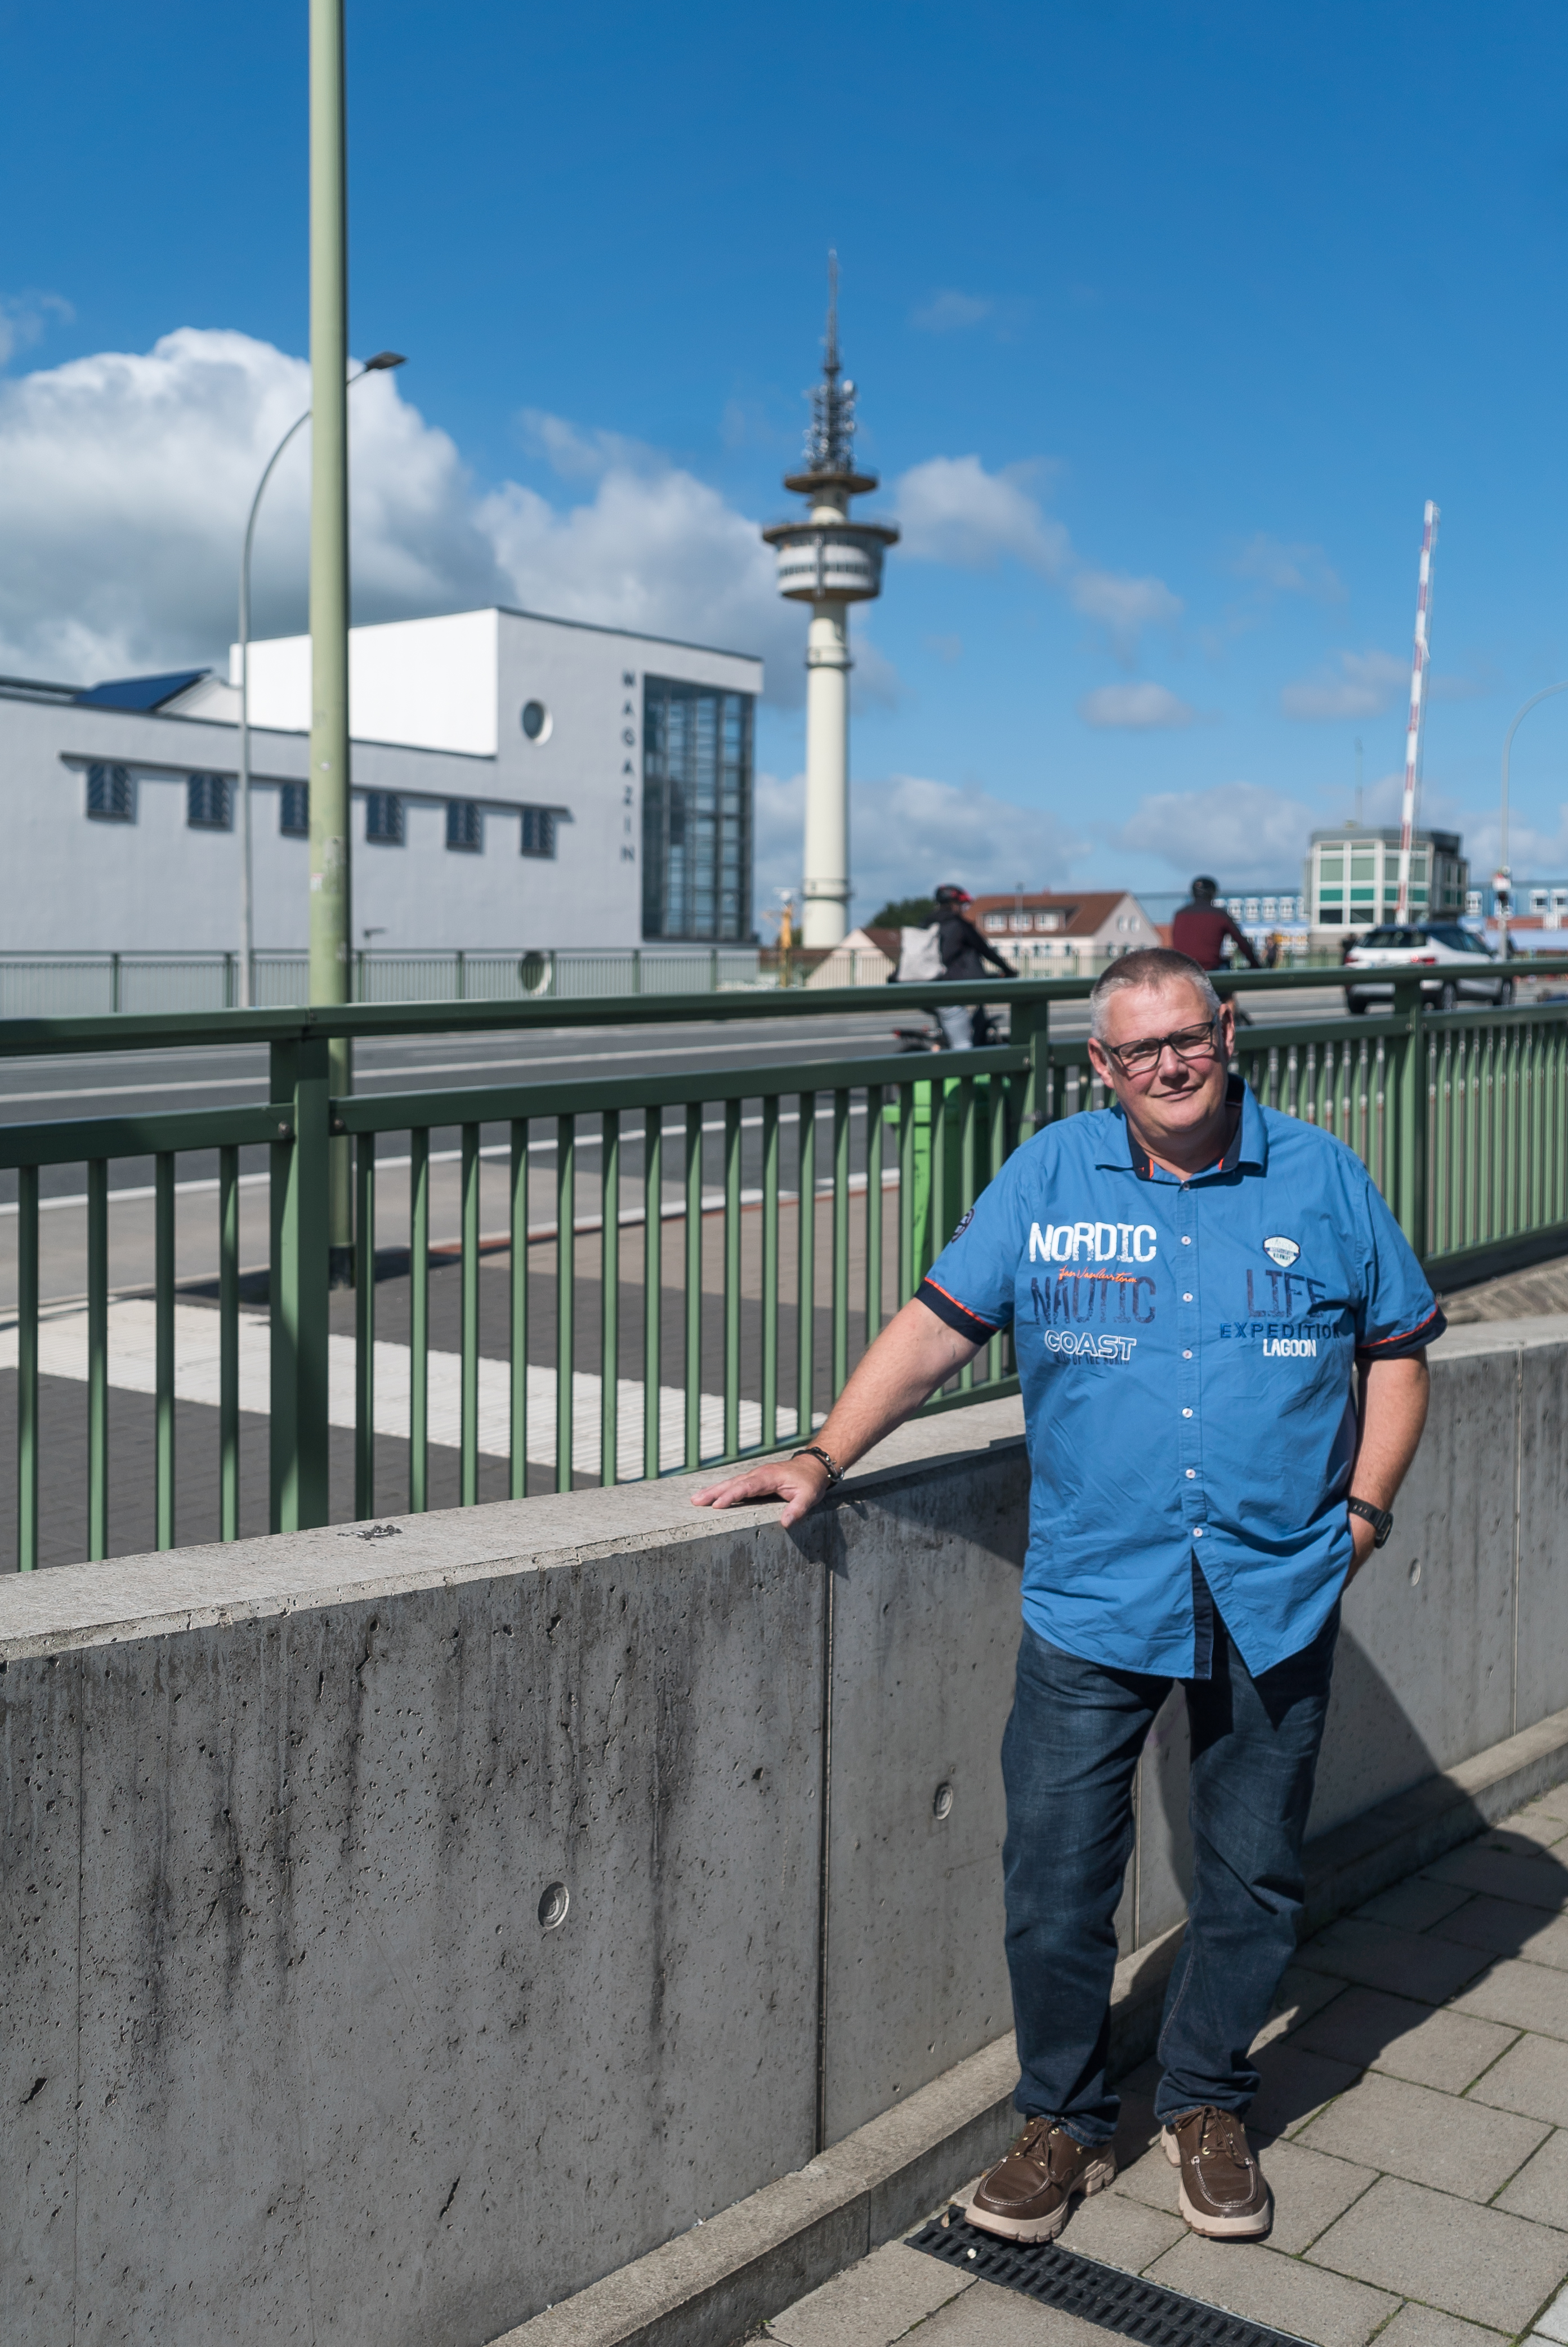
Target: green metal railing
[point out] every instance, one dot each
(806, 1200)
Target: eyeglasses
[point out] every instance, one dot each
(1140, 1059)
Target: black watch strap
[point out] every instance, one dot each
(1382, 1522)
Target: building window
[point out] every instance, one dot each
(383, 818)
(209, 802)
(539, 834)
(465, 825)
(536, 720)
(111, 795)
(294, 810)
(696, 811)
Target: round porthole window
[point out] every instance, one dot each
(536, 720)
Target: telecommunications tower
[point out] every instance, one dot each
(829, 561)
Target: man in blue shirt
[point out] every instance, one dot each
(1191, 1282)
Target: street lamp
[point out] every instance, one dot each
(380, 364)
(1502, 884)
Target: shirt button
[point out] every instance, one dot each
(1197, 1532)
(1186, 1357)
(1186, 1242)
(1186, 1413)
(1191, 1473)
(1186, 1300)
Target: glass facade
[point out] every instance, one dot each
(1353, 882)
(696, 811)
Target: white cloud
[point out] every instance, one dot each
(1248, 836)
(950, 509)
(1293, 569)
(1127, 606)
(1364, 684)
(24, 319)
(1145, 706)
(907, 833)
(125, 477)
(949, 313)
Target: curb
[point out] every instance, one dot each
(710, 2286)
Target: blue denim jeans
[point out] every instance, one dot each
(1069, 1754)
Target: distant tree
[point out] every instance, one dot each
(905, 913)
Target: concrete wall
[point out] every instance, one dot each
(286, 2048)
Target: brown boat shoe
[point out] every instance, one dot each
(1222, 2194)
(1029, 2195)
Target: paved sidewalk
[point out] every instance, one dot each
(1413, 2124)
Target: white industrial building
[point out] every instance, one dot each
(517, 781)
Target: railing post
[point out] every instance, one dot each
(297, 1285)
(713, 970)
(228, 981)
(637, 969)
(1409, 1200)
(1030, 1030)
(462, 976)
(114, 981)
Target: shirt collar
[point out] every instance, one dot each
(1248, 1150)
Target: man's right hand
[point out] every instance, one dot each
(799, 1483)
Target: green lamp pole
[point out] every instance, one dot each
(330, 906)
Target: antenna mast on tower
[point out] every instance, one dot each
(1418, 709)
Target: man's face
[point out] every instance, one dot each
(1172, 1095)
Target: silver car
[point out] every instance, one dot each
(1463, 968)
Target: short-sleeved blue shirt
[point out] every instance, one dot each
(1185, 1349)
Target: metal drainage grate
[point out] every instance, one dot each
(1095, 2293)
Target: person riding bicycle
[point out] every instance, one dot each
(1200, 930)
(965, 953)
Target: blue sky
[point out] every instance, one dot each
(1166, 318)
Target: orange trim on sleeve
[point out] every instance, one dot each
(1403, 1336)
(968, 1309)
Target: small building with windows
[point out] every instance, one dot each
(1047, 936)
(1352, 879)
(516, 781)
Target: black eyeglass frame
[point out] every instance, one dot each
(1211, 1047)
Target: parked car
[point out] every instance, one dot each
(1464, 968)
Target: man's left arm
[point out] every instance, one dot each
(1388, 1422)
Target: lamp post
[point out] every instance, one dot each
(379, 364)
(1503, 883)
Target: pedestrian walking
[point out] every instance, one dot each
(1220, 1335)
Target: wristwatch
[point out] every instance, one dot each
(1382, 1522)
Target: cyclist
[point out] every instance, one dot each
(965, 953)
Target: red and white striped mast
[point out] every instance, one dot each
(1418, 707)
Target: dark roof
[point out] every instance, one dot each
(141, 691)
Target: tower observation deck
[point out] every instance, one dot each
(829, 561)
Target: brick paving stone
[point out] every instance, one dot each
(870, 2303)
(1530, 1996)
(1423, 2326)
(1480, 2263)
(1413, 1905)
(1123, 2231)
(1553, 2324)
(1309, 2191)
(1538, 1878)
(1250, 2278)
(1300, 1995)
(1407, 2130)
(1551, 1804)
(1432, 2047)
(989, 2316)
(1376, 1956)
(1540, 2190)
(1295, 2084)
(1532, 2078)
(1540, 1824)
(1504, 1928)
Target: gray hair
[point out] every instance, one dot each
(1150, 966)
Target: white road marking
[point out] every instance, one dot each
(132, 1335)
